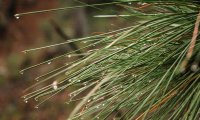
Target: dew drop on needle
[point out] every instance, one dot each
(69, 56)
(36, 107)
(24, 52)
(55, 85)
(17, 16)
(21, 72)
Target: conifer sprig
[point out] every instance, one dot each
(136, 73)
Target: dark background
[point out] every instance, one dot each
(38, 30)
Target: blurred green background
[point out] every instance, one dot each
(38, 30)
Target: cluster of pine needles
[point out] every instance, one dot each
(145, 71)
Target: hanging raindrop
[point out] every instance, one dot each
(16, 16)
(69, 56)
(84, 83)
(21, 72)
(24, 51)
(36, 107)
(150, 81)
(49, 63)
(55, 85)
(194, 67)
(36, 99)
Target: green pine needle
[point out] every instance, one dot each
(136, 74)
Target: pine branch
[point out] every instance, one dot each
(139, 77)
(192, 43)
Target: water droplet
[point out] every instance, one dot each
(144, 3)
(88, 100)
(36, 107)
(194, 67)
(134, 75)
(84, 84)
(103, 104)
(112, 24)
(97, 117)
(49, 63)
(26, 101)
(36, 78)
(21, 72)
(149, 81)
(94, 98)
(17, 16)
(129, 3)
(55, 85)
(24, 51)
(69, 56)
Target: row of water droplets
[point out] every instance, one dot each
(55, 83)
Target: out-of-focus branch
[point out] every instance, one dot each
(62, 34)
(192, 44)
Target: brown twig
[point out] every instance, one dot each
(170, 95)
(192, 44)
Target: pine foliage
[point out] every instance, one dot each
(145, 71)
